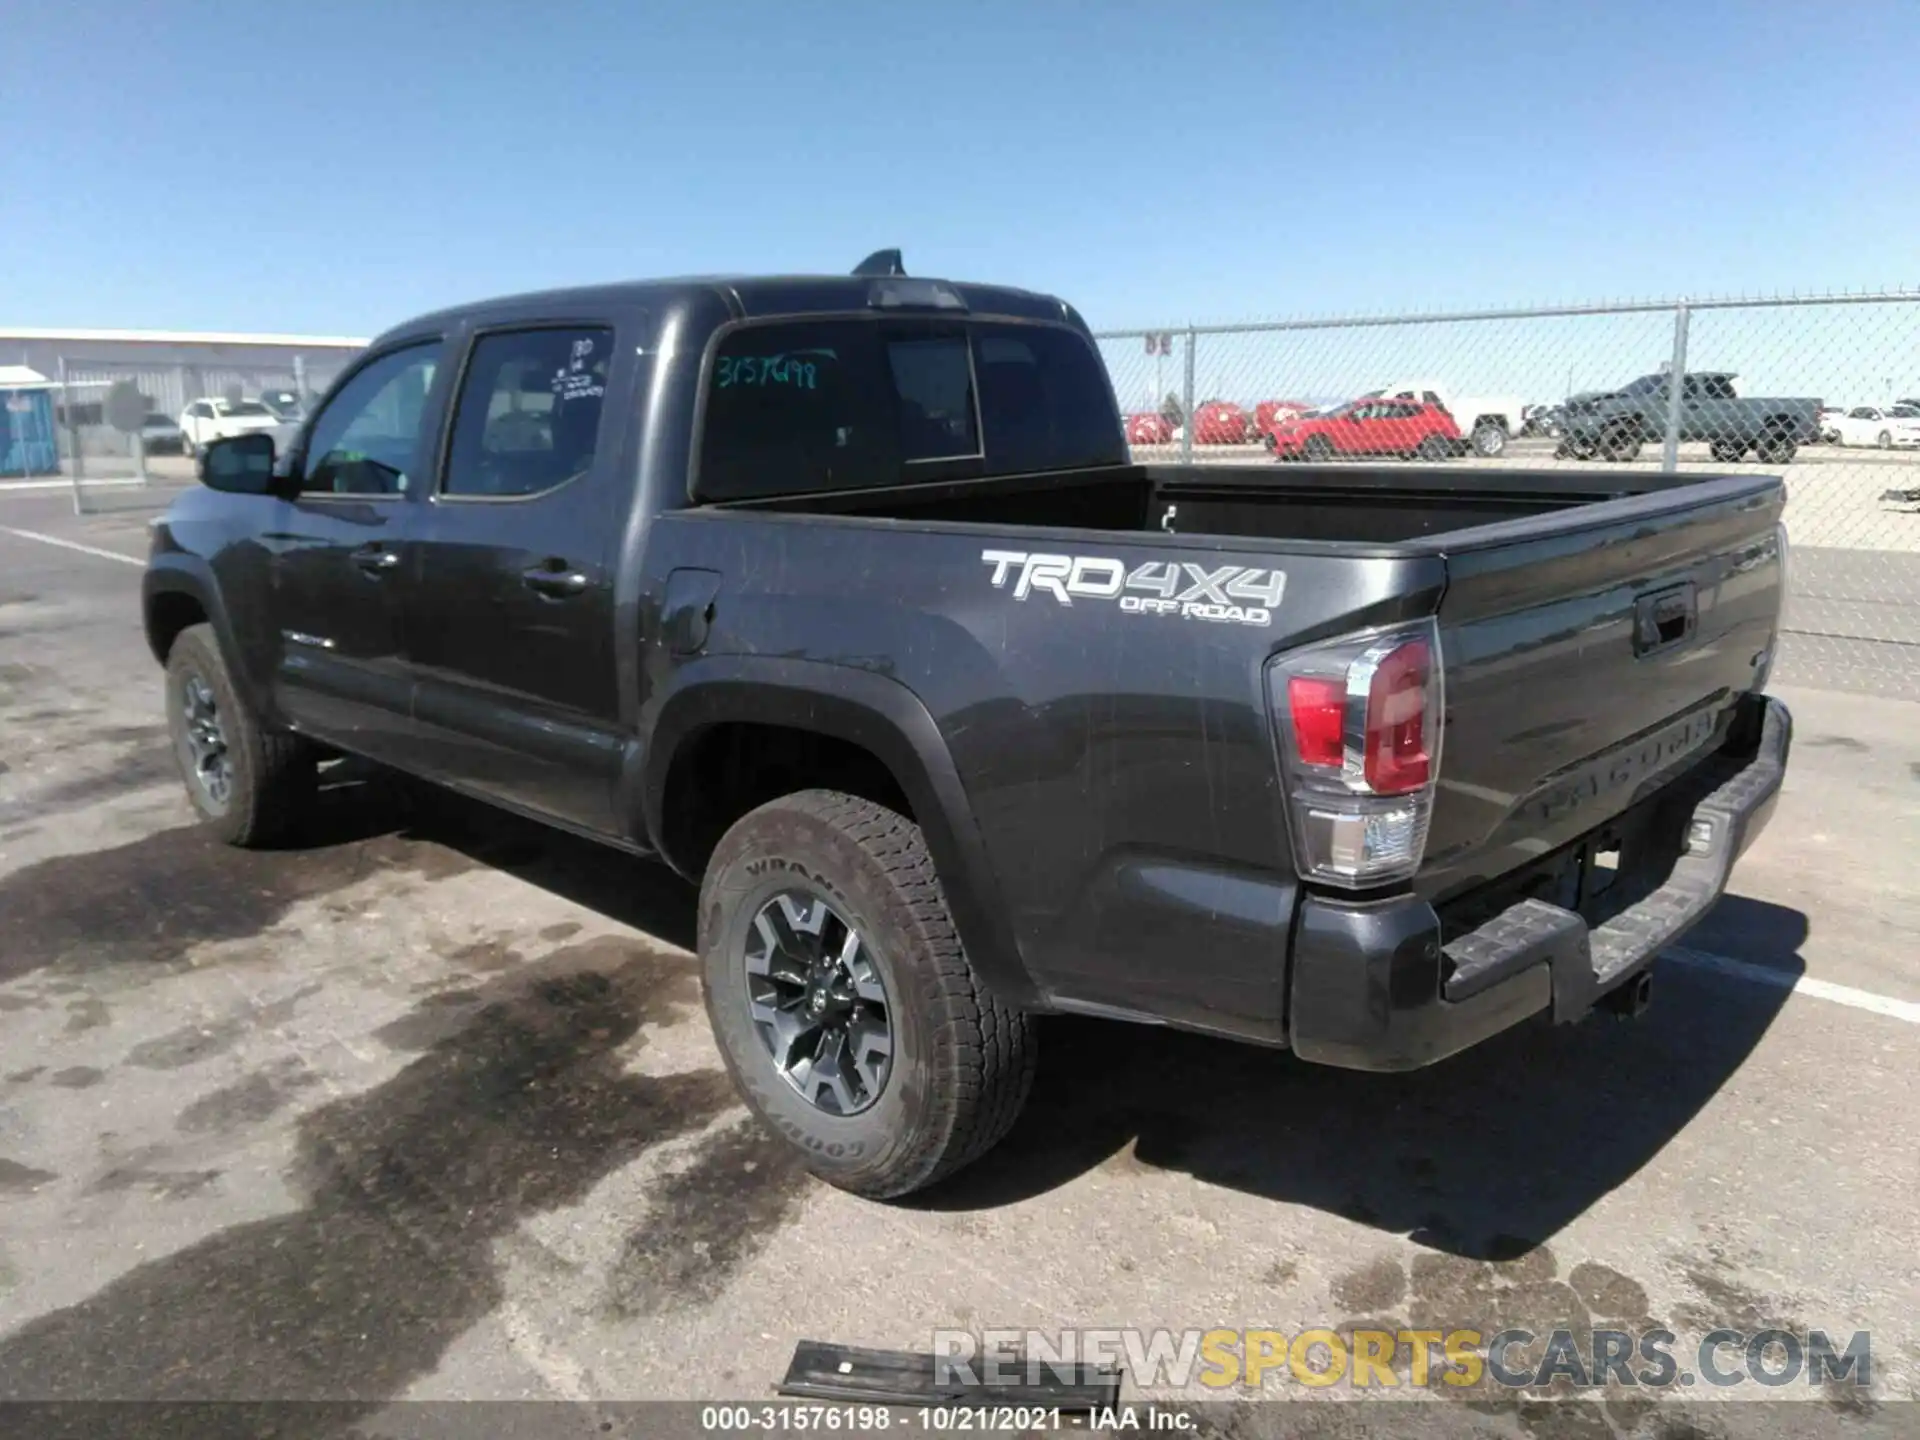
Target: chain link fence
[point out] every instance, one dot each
(96, 458)
(1824, 391)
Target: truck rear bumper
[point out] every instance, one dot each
(1380, 986)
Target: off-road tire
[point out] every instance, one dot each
(273, 772)
(963, 1060)
(1489, 439)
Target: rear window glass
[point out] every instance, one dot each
(848, 404)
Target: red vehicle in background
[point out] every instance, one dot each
(1268, 415)
(1370, 427)
(1220, 422)
(1147, 428)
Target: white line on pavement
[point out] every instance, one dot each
(1893, 1009)
(72, 545)
(119, 481)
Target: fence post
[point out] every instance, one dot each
(1186, 403)
(1670, 450)
(73, 435)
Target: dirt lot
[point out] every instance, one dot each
(429, 1110)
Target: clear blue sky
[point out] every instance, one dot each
(334, 168)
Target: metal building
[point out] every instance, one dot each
(172, 369)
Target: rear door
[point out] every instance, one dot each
(509, 609)
(1588, 656)
(339, 546)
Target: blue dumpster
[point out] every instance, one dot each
(27, 443)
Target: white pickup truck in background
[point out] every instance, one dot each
(207, 420)
(1487, 421)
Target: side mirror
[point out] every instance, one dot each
(239, 464)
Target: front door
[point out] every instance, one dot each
(338, 547)
(509, 615)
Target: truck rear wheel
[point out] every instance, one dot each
(1776, 447)
(1728, 452)
(846, 1009)
(251, 784)
(1489, 438)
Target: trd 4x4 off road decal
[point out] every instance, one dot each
(1229, 594)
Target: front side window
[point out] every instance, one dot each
(366, 438)
(528, 417)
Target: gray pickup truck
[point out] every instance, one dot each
(842, 595)
(1614, 424)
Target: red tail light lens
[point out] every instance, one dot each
(1397, 758)
(1319, 707)
(1359, 731)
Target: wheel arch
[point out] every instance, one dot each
(859, 712)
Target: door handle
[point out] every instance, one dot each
(376, 561)
(558, 584)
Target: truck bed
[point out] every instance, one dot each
(1344, 504)
(1563, 710)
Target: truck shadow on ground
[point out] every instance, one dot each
(1486, 1155)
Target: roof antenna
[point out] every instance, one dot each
(881, 262)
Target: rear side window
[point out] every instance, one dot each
(529, 412)
(808, 405)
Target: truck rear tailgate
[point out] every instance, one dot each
(1590, 656)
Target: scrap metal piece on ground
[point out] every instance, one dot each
(821, 1371)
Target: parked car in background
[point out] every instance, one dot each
(1270, 413)
(207, 420)
(1488, 421)
(1221, 422)
(1149, 428)
(1370, 427)
(160, 436)
(1897, 427)
(1615, 424)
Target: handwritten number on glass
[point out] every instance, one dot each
(800, 370)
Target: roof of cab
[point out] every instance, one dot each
(745, 296)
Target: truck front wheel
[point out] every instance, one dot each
(253, 785)
(1489, 438)
(846, 1009)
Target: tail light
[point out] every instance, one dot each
(1359, 725)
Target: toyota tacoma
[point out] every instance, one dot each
(841, 596)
